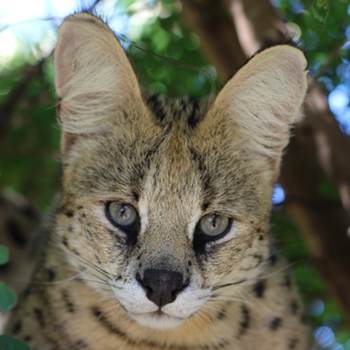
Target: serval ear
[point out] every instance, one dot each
(95, 82)
(262, 101)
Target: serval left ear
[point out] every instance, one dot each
(94, 79)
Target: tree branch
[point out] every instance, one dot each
(16, 94)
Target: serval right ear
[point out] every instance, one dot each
(94, 79)
(260, 104)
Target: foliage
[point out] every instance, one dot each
(9, 343)
(8, 300)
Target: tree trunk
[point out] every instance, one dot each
(318, 150)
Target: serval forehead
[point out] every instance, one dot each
(168, 110)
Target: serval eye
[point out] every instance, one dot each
(214, 225)
(121, 214)
(125, 217)
(210, 228)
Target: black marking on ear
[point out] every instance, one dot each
(276, 323)
(69, 305)
(15, 233)
(245, 321)
(259, 288)
(39, 316)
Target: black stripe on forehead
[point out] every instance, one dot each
(205, 176)
(167, 110)
(117, 165)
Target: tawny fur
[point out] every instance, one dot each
(174, 162)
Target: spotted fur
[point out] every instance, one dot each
(174, 161)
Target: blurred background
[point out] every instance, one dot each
(191, 47)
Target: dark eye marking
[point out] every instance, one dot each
(125, 217)
(209, 228)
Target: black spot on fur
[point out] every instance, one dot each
(51, 275)
(69, 305)
(69, 213)
(293, 343)
(222, 314)
(106, 323)
(136, 196)
(259, 288)
(39, 316)
(205, 206)
(15, 233)
(294, 307)
(157, 107)
(287, 282)
(276, 323)
(79, 345)
(245, 321)
(258, 258)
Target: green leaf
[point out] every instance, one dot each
(8, 343)
(4, 255)
(8, 298)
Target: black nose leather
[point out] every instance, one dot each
(162, 286)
